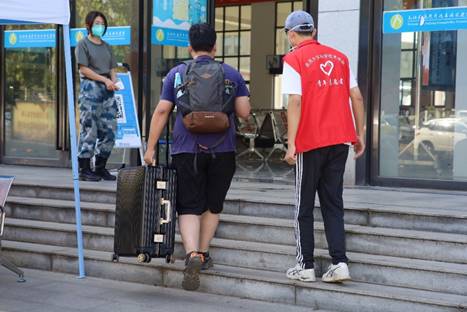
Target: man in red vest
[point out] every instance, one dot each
(321, 126)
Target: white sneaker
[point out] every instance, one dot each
(300, 274)
(337, 273)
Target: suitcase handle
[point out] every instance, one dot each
(168, 211)
(2, 220)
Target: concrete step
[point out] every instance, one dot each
(377, 241)
(63, 211)
(91, 192)
(240, 282)
(277, 203)
(429, 275)
(102, 214)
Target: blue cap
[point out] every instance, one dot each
(299, 21)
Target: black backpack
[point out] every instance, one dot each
(205, 98)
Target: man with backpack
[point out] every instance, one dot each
(207, 95)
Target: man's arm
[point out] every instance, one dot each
(293, 119)
(242, 106)
(359, 116)
(159, 120)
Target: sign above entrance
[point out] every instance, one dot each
(46, 38)
(440, 19)
(116, 36)
(173, 18)
(36, 38)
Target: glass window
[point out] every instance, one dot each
(220, 44)
(283, 9)
(232, 14)
(245, 68)
(282, 45)
(245, 17)
(231, 43)
(232, 61)
(234, 36)
(298, 5)
(219, 19)
(423, 109)
(245, 43)
(407, 65)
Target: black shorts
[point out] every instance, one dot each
(206, 189)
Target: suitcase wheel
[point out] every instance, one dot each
(144, 258)
(170, 259)
(115, 258)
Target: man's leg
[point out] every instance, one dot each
(330, 191)
(190, 231)
(220, 172)
(307, 178)
(191, 203)
(209, 223)
(308, 169)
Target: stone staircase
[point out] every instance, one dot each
(409, 257)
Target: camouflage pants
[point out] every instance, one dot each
(98, 111)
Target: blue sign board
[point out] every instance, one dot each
(47, 38)
(128, 133)
(116, 36)
(173, 18)
(440, 19)
(37, 38)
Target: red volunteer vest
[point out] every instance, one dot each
(326, 117)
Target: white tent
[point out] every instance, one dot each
(53, 12)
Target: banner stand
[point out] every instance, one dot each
(128, 131)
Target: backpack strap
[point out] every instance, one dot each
(188, 64)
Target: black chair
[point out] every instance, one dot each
(269, 136)
(248, 130)
(5, 185)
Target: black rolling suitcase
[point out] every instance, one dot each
(145, 213)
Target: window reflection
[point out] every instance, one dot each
(423, 107)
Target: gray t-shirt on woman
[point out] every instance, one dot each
(98, 57)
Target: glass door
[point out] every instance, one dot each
(120, 14)
(31, 120)
(422, 115)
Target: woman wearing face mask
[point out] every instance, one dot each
(98, 108)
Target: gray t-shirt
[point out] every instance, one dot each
(98, 57)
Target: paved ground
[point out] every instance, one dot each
(46, 291)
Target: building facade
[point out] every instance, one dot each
(412, 82)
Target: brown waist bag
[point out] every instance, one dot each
(206, 122)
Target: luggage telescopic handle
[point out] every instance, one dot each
(2, 220)
(168, 211)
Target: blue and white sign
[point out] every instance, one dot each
(115, 36)
(173, 18)
(47, 38)
(128, 132)
(37, 38)
(440, 19)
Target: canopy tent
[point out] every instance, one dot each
(53, 12)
